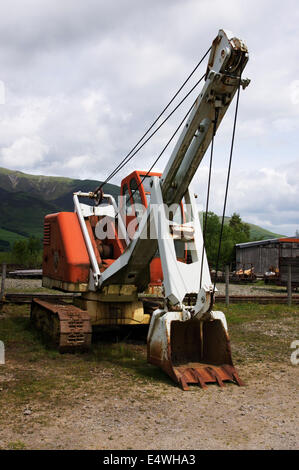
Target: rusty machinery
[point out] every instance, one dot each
(143, 262)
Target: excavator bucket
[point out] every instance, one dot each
(192, 351)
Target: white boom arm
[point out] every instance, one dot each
(227, 60)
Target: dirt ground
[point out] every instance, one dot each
(112, 399)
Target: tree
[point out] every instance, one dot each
(240, 229)
(235, 231)
(27, 252)
(34, 245)
(211, 233)
(20, 252)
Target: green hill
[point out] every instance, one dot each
(259, 233)
(47, 188)
(8, 238)
(256, 232)
(26, 199)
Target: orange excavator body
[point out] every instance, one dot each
(66, 259)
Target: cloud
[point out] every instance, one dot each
(84, 80)
(266, 197)
(24, 153)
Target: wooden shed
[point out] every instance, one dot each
(264, 254)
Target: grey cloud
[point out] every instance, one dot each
(84, 79)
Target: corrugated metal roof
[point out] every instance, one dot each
(266, 242)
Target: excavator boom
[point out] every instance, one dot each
(227, 60)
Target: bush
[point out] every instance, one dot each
(27, 252)
(234, 232)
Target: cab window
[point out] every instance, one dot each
(127, 201)
(136, 196)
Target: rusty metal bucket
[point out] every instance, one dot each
(193, 351)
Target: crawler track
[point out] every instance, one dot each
(63, 325)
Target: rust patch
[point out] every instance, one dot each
(202, 375)
(195, 352)
(67, 326)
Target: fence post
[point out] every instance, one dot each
(227, 285)
(3, 277)
(289, 284)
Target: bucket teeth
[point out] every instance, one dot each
(238, 380)
(215, 375)
(205, 374)
(230, 370)
(199, 378)
(183, 383)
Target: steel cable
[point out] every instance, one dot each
(154, 132)
(227, 185)
(128, 157)
(162, 151)
(208, 192)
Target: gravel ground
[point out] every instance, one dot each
(251, 289)
(23, 285)
(115, 415)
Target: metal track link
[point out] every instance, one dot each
(64, 325)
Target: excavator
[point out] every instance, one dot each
(142, 261)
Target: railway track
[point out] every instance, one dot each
(26, 298)
(22, 297)
(261, 299)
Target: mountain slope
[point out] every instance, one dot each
(257, 232)
(8, 238)
(49, 188)
(23, 214)
(26, 199)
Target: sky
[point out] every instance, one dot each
(82, 80)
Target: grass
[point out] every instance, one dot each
(39, 374)
(129, 357)
(261, 333)
(268, 288)
(30, 290)
(5, 257)
(11, 237)
(114, 353)
(16, 445)
(39, 378)
(246, 312)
